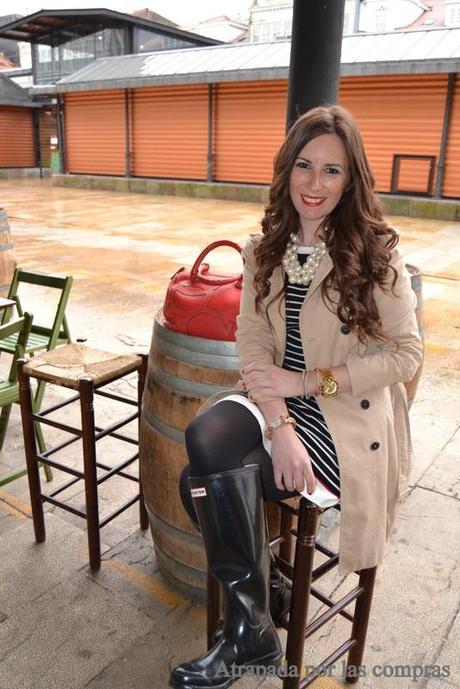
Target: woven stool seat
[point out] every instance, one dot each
(71, 363)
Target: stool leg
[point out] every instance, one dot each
(301, 585)
(86, 390)
(287, 520)
(360, 623)
(143, 516)
(214, 607)
(30, 446)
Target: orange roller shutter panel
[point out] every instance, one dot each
(169, 131)
(249, 129)
(16, 137)
(95, 132)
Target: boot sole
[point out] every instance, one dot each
(272, 660)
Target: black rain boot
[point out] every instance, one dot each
(280, 586)
(231, 514)
(280, 592)
(280, 597)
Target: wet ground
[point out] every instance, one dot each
(123, 628)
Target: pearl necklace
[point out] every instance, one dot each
(302, 274)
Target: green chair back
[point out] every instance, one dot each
(41, 337)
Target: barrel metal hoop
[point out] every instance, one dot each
(190, 356)
(188, 387)
(162, 427)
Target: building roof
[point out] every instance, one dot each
(55, 27)
(12, 94)
(410, 52)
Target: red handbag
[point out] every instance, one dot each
(202, 304)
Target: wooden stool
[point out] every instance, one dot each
(302, 576)
(86, 370)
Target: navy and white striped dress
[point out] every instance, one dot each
(311, 427)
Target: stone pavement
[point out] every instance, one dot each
(62, 627)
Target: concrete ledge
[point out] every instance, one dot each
(12, 172)
(413, 206)
(419, 207)
(169, 187)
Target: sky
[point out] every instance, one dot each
(183, 12)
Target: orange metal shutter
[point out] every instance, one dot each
(16, 137)
(249, 129)
(451, 186)
(399, 114)
(169, 131)
(95, 132)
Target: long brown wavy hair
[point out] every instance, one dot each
(358, 239)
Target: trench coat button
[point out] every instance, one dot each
(365, 404)
(375, 445)
(345, 329)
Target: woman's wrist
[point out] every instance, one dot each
(308, 383)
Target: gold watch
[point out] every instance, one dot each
(328, 385)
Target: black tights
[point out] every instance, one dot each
(226, 436)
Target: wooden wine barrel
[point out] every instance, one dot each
(416, 283)
(182, 372)
(7, 255)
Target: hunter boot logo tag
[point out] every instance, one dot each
(198, 492)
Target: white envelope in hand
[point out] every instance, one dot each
(321, 496)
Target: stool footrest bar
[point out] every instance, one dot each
(116, 470)
(326, 662)
(322, 619)
(114, 426)
(63, 505)
(61, 446)
(325, 567)
(324, 549)
(121, 509)
(57, 424)
(62, 467)
(64, 486)
(327, 601)
(58, 405)
(119, 436)
(276, 541)
(118, 398)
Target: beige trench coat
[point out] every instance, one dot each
(370, 425)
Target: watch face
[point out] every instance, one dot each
(329, 387)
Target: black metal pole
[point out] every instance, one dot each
(316, 45)
(445, 133)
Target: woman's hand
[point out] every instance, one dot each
(267, 381)
(291, 463)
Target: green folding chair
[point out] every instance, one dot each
(42, 337)
(9, 389)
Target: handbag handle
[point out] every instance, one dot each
(194, 275)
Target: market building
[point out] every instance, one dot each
(217, 114)
(62, 42)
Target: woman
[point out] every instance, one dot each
(326, 337)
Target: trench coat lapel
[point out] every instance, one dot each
(323, 271)
(277, 309)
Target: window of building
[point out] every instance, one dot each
(452, 15)
(148, 41)
(256, 33)
(381, 19)
(348, 17)
(52, 64)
